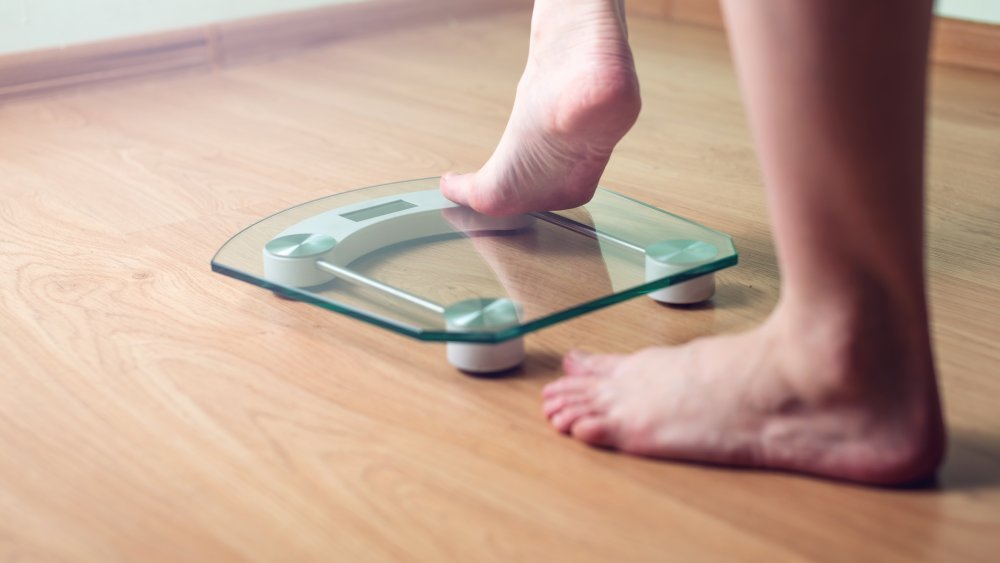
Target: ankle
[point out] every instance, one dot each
(867, 363)
(855, 344)
(584, 24)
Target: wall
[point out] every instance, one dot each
(26, 25)
(987, 11)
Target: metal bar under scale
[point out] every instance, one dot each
(359, 279)
(585, 230)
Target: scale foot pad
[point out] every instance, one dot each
(486, 358)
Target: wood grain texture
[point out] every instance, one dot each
(700, 12)
(151, 410)
(967, 43)
(213, 46)
(218, 44)
(48, 70)
(655, 8)
(956, 42)
(274, 35)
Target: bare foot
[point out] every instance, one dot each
(852, 405)
(577, 98)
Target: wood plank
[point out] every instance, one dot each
(966, 43)
(653, 8)
(956, 42)
(700, 12)
(56, 69)
(212, 45)
(273, 35)
(151, 410)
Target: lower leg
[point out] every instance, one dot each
(836, 95)
(840, 380)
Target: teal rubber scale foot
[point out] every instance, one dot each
(402, 257)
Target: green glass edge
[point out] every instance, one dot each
(307, 297)
(481, 337)
(665, 212)
(476, 337)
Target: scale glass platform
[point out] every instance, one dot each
(404, 258)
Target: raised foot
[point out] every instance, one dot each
(577, 98)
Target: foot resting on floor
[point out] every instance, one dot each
(761, 399)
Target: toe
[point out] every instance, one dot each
(578, 362)
(457, 187)
(557, 403)
(564, 419)
(592, 429)
(553, 405)
(568, 386)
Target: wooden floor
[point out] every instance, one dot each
(151, 410)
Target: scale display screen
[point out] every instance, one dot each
(378, 210)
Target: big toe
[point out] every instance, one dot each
(594, 429)
(458, 187)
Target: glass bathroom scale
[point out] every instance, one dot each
(403, 257)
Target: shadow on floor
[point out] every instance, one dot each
(973, 461)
